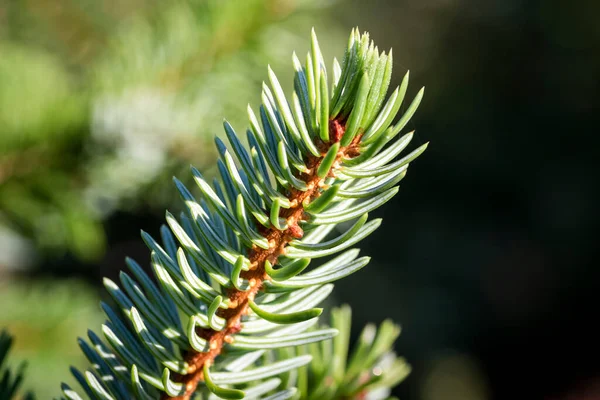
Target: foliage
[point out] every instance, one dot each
(46, 317)
(10, 381)
(232, 297)
(368, 372)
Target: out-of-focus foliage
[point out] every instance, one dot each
(37, 98)
(42, 119)
(368, 371)
(100, 100)
(45, 319)
(10, 380)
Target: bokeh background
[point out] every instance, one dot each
(486, 257)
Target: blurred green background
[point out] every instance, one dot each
(486, 257)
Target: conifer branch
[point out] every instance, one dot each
(278, 241)
(232, 293)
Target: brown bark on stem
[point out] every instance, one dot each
(278, 241)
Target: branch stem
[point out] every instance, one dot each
(256, 275)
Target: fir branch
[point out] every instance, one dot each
(278, 242)
(236, 274)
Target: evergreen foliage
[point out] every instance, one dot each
(370, 371)
(232, 308)
(45, 334)
(10, 381)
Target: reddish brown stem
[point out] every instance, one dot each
(277, 240)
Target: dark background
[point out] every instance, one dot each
(490, 248)
(486, 256)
